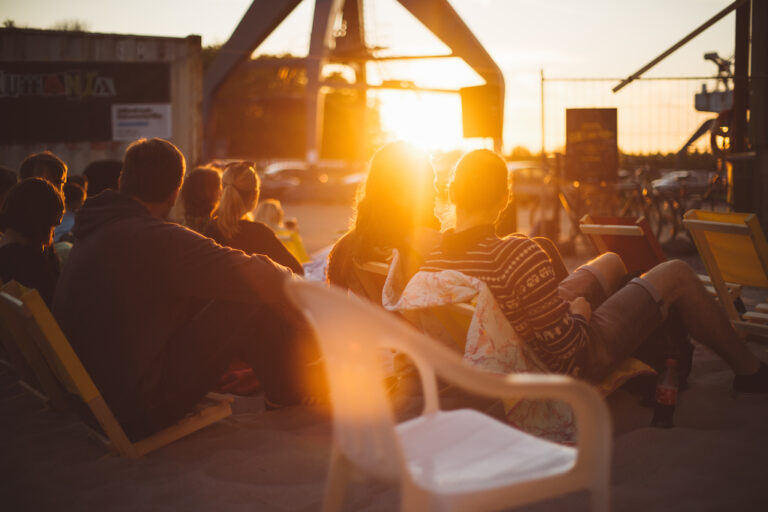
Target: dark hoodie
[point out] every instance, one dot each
(132, 280)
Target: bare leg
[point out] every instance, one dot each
(702, 317)
(612, 267)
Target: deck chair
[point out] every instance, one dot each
(633, 239)
(371, 275)
(25, 358)
(734, 250)
(454, 318)
(629, 237)
(443, 460)
(31, 313)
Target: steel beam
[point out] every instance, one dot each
(446, 24)
(260, 20)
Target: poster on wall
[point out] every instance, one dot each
(50, 102)
(131, 121)
(591, 145)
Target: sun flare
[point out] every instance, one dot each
(431, 121)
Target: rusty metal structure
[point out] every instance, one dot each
(348, 47)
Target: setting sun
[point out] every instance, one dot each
(431, 121)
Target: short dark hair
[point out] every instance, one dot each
(102, 175)
(74, 196)
(152, 170)
(44, 165)
(479, 180)
(201, 192)
(32, 207)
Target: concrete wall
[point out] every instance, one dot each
(183, 54)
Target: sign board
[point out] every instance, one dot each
(131, 121)
(49, 102)
(591, 145)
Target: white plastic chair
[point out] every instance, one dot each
(444, 460)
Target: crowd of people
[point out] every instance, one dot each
(158, 311)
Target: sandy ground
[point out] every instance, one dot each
(714, 458)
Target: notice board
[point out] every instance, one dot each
(591, 145)
(48, 102)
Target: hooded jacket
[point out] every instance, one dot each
(132, 280)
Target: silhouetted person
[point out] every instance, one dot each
(395, 211)
(591, 321)
(74, 197)
(32, 208)
(232, 225)
(102, 175)
(157, 312)
(44, 165)
(200, 196)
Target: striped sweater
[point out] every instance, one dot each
(522, 279)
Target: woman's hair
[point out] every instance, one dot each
(200, 192)
(32, 207)
(270, 212)
(398, 196)
(239, 196)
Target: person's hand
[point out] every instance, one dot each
(580, 306)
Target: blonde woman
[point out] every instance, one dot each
(232, 225)
(270, 212)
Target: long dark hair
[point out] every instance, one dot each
(398, 198)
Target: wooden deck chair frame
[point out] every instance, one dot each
(25, 358)
(455, 318)
(642, 250)
(369, 273)
(33, 314)
(629, 237)
(733, 248)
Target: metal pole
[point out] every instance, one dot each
(717, 17)
(740, 84)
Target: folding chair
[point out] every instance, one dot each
(443, 460)
(26, 359)
(629, 237)
(734, 250)
(633, 239)
(33, 317)
(372, 275)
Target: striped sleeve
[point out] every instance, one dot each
(560, 337)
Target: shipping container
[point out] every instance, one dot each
(85, 96)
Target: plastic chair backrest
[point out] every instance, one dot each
(363, 420)
(629, 237)
(736, 243)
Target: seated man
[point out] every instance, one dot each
(157, 312)
(604, 322)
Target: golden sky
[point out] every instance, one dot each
(593, 38)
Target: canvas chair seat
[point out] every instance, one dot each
(57, 367)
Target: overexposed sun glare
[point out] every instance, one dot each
(431, 121)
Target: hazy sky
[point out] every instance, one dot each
(591, 38)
